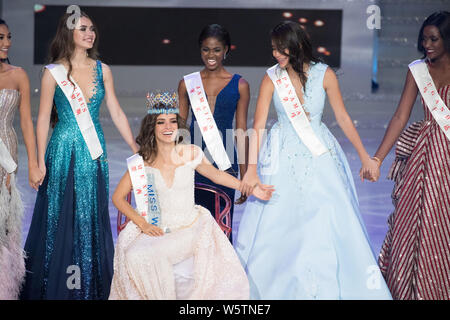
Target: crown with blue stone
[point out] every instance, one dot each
(169, 99)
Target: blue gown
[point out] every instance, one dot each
(70, 225)
(224, 111)
(308, 241)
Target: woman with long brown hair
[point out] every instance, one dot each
(69, 246)
(173, 248)
(309, 240)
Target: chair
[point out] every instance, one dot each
(221, 210)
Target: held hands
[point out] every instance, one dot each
(35, 176)
(251, 185)
(249, 181)
(263, 191)
(370, 169)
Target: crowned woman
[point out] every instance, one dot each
(172, 248)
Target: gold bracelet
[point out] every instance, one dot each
(377, 159)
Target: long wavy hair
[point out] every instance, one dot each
(290, 35)
(146, 139)
(62, 48)
(440, 20)
(3, 22)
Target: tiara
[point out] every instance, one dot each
(166, 98)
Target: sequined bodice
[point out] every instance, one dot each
(65, 114)
(9, 102)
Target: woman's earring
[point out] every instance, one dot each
(224, 56)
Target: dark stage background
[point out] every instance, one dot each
(168, 36)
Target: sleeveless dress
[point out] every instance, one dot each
(12, 268)
(415, 256)
(194, 261)
(69, 245)
(308, 241)
(224, 111)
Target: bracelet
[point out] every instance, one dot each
(377, 159)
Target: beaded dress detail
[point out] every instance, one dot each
(194, 261)
(12, 268)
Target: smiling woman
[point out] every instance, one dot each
(415, 257)
(70, 225)
(172, 248)
(14, 94)
(227, 97)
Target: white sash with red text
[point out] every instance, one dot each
(206, 122)
(430, 95)
(6, 161)
(79, 108)
(294, 110)
(144, 190)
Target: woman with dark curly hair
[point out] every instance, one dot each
(172, 248)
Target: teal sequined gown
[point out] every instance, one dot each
(69, 245)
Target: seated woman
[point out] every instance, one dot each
(183, 254)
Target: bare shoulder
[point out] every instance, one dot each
(243, 84)
(106, 70)
(329, 78)
(266, 83)
(189, 152)
(105, 67)
(181, 84)
(18, 73)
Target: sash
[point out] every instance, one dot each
(208, 126)
(144, 190)
(79, 108)
(6, 161)
(430, 95)
(294, 110)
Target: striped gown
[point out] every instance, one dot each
(415, 256)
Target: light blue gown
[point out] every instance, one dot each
(309, 240)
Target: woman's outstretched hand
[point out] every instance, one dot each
(263, 191)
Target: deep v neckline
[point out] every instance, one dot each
(94, 82)
(174, 175)
(217, 96)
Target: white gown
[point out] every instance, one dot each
(194, 261)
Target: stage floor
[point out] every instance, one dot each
(371, 113)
